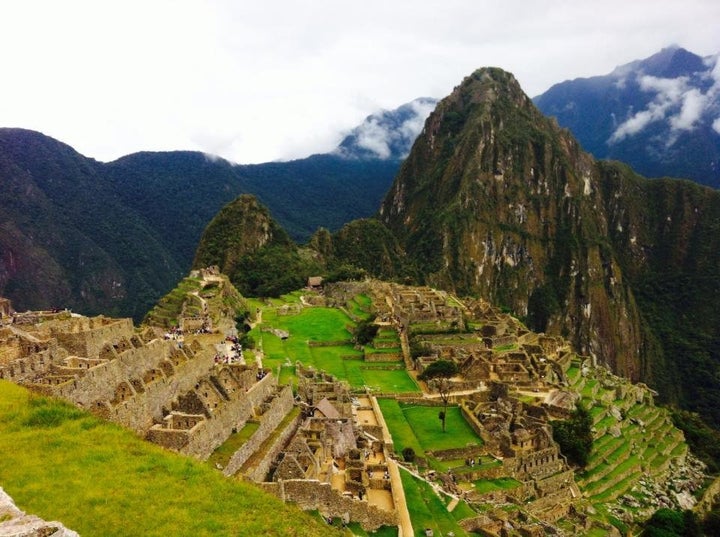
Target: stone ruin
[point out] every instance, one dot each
(337, 460)
(336, 454)
(173, 394)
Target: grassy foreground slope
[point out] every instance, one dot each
(63, 464)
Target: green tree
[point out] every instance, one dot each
(574, 436)
(365, 332)
(671, 523)
(438, 374)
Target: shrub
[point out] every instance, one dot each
(408, 454)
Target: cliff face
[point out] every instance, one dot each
(497, 200)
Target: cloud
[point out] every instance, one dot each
(411, 127)
(693, 106)
(374, 137)
(284, 79)
(675, 100)
(669, 92)
(389, 134)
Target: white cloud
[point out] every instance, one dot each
(668, 93)
(693, 106)
(676, 101)
(716, 125)
(373, 137)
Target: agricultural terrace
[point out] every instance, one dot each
(418, 427)
(321, 337)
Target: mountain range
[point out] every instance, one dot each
(498, 201)
(661, 115)
(114, 237)
(494, 199)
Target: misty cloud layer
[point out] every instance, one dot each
(676, 101)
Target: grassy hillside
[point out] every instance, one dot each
(61, 463)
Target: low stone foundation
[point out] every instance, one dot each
(312, 494)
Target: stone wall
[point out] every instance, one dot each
(144, 408)
(535, 464)
(477, 426)
(383, 357)
(23, 370)
(459, 453)
(312, 494)
(231, 415)
(100, 382)
(279, 408)
(385, 432)
(85, 336)
(261, 470)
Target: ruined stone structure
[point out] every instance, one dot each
(337, 459)
(6, 309)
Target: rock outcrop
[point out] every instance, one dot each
(16, 523)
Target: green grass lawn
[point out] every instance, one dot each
(100, 479)
(324, 325)
(317, 324)
(402, 434)
(427, 509)
(502, 483)
(427, 427)
(419, 428)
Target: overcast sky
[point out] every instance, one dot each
(281, 79)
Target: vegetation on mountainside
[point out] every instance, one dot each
(68, 240)
(113, 237)
(261, 260)
(671, 523)
(495, 200)
(704, 441)
(61, 463)
(253, 250)
(181, 191)
(369, 245)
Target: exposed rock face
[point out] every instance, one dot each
(496, 200)
(15, 523)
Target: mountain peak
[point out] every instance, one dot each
(670, 62)
(658, 114)
(387, 134)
